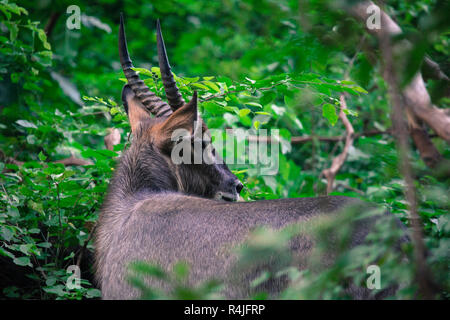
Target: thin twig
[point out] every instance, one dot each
(70, 161)
(350, 188)
(61, 241)
(7, 195)
(338, 161)
(83, 249)
(51, 23)
(427, 287)
(304, 139)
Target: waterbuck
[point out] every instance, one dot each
(164, 212)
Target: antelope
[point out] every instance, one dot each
(164, 212)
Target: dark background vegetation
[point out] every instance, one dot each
(60, 95)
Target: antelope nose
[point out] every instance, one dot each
(239, 187)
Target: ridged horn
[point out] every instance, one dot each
(151, 101)
(174, 96)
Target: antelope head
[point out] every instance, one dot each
(154, 124)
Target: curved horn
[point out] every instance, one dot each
(173, 94)
(151, 101)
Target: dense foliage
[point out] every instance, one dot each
(255, 64)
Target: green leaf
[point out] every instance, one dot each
(143, 71)
(44, 58)
(43, 37)
(93, 293)
(7, 13)
(26, 124)
(13, 212)
(250, 80)
(6, 233)
(156, 70)
(329, 112)
(181, 270)
(253, 104)
(44, 244)
(188, 80)
(350, 112)
(67, 174)
(36, 206)
(295, 119)
(359, 89)
(23, 261)
(114, 110)
(244, 112)
(267, 97)
(50, 281)
(41, 156)
(259, 280)
(25, 248)
(231, 109)
(201, 86)
(213, 108)
(58, 290)
(13, 31)
(148, 269)
(70, 256)
(6, 253)
(15, 77)
(225, 80)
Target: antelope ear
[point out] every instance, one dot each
(184, 119)
(134, 109)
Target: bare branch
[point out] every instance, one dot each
(71, 161)
(350, 188)
(427, 288)
(304, 139)
(74, 161)
(415, 93)
(427, 150)
(433, 70)
(338, 161)
(51, 23)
